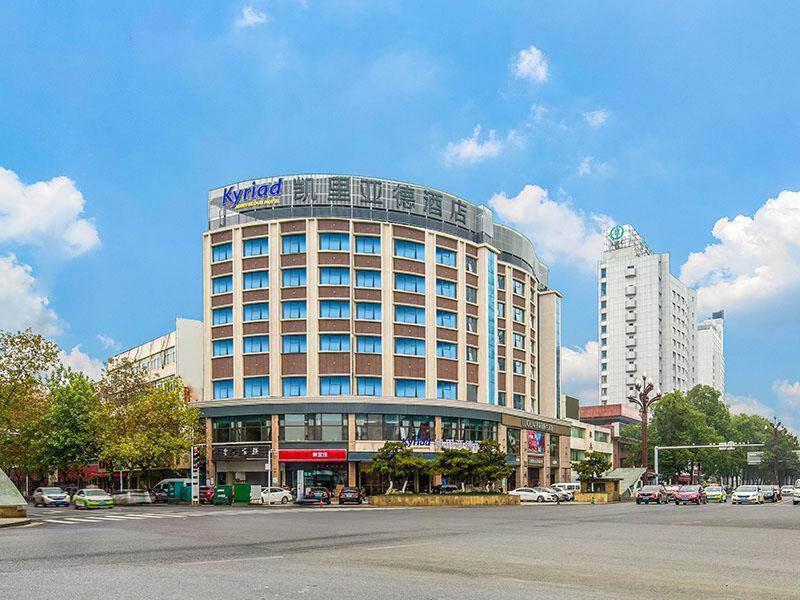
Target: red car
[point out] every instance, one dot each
(694, 494)
(652, 493)
(206, 494)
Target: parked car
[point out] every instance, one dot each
(351, 494)
(315, 495)
(796, 493)
(132, 497)
(50, 496)
(275, 495)
(92, 498)
(716, 493)
(165, 489)
(652, 494)
(562, 495)
(690, 493)
(768, 493)
(747, 494)
(206, 494)
(787, 491)
(446, 489)
(572, 487)
(671, 491)
(528, 494)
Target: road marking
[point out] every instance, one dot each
(228, 560)
(401, 546)
(60, 521)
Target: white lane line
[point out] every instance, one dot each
(83, 519)
(402, 546)
(228, 560)
(121, 517)
(59, 521)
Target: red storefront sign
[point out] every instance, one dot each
(332, 455)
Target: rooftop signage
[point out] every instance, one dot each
(233, 197)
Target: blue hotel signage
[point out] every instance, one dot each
(232, 196)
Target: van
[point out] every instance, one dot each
(567, 487)
(165, 489)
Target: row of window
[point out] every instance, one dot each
(337, 385)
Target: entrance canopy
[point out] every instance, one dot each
(9, 494)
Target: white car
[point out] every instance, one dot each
(796, 493)
(275, 495)
(787, 491)
(528, 494)
(747, 494)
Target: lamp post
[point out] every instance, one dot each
(776, 429)
(641, 397)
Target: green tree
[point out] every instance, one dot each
(780, 452)
(630, 436)
(592, 467)
(386, 461)
(457, 466)
(411, 465)
(67, 436)
(491, 465)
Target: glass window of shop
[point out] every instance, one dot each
(474, 430)
(553, 446)
(315, 427)
(512, 440)
(393, 427)
(248, 429)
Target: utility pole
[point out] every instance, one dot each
(641, 397)
(775, 428)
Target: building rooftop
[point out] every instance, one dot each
(605, 414)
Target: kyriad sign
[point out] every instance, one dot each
(252, 194)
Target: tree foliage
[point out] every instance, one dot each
(592, 467)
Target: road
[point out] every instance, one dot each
(567, 551)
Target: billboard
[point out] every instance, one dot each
(535, 442)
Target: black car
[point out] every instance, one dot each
(351, 494)
(315, 495)
(446, 489)
(769, 493)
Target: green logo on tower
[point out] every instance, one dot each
(616, 233)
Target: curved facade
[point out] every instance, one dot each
(342, 312)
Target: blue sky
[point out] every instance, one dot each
(116, 120)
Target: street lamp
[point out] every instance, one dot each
(776, 429)
(641, 397)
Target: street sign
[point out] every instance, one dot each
(754, 458)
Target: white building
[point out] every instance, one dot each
(646, 319)
(177, 353)
(711, 352)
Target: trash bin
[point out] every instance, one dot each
(241, 493)
(223, 494)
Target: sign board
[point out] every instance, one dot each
(754, 458)
(254, 451)
(322, 455)
(535, 425)
(535, 442)
(430, 445)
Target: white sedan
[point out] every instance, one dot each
(275, 495)
(528, 494)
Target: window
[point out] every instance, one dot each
(472, 264)
(220, 285)
(221, 316)
(334, 241)
(334, 276)
(369, 386)
(472, 324)
(221, 252)
(294, 386)
(223, 389)
(256, 279)
(519, 341)
(368, 245)
(292, 428)
(334, 342)
(256, 344)
(244, 429)
(446, 350)
(409, 346)
(472, 295)
(294, 244)
(519, 314)
(519, 288)
(600, 436)
(294, 343)
(519, 401)
(501, 398)
(409, 388)
(445, 318)
(472, 354)
(222, 347)
(519, 367)
(330, 385)
(445, 288)
(368, 344)
(294, 309)
(369, 279)
(255, 246)
(313, 427)
(501, 363)
(445, 257)
(501, 281)
(577, 455)
(447, 390)
(256, 312)
(409, 314)
(368, 311)
(334, 309)
(603, 288)
(255, 387)
(501, 336)
(602, 273)
(409, 283)
(577, 432)
(408, 249)
(512, 440)
(501, 310)
(475, 430)
(294, 277)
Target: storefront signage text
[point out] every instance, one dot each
(321, 455)
(248, 196)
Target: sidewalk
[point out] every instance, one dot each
(14, 522)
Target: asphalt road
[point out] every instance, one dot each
(567, 551)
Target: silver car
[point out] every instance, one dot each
(50, 496)
(133, 497)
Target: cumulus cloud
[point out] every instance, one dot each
(749, 405)
(536, 114)
(77, 360)
(21, 304)
(473, 149)
(107, 342)
(46, 214)
(756, 259)
(579, 372)
(788, 393)
(590, 166)
(531, 64)
(596, 118)
(560, 232)
(251, 17)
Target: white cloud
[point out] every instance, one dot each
(788, 393)
(77, 360)
(579, 372)
(45, 214)
(251, 17)
(590, 166)
(756, 259)
(749, 405)
(531, 64)
(560, 232)
(596, 118)
(536, 114)
(472, 149)
(21, 304)
(107, 342)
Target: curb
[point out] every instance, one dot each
(14, 522)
